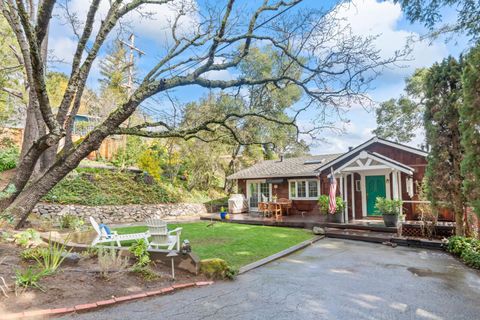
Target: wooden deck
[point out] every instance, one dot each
(306, 222)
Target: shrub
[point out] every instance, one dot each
(145, 272)
(323, 203)
(8, 155)
(217, 269)
(139, 249)
(91, 252)
(28, 278)
(109, 260)
(149, 161)
(27, 238)
(388, 206)
(32, 254)
(70, 221)
(468, 249)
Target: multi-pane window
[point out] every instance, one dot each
(312, 189)
(301, 189)
(265, 191)
(293, 189)
(304, 189)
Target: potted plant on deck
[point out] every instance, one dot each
(390, 210)
(324, 205)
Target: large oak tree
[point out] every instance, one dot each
(334, 66)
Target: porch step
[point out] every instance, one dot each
(371, 226)
(359, 235)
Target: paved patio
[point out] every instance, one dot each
(333, 279)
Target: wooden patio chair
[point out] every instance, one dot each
(104, 235)
(263, 209)
(286, 203)
(160, 236)
(275, 209)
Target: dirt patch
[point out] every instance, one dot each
(76, 284)
(5, 177)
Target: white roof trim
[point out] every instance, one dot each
(389, 163)
(369, 142)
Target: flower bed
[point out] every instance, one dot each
(34, 282)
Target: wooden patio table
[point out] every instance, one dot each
(284, 204)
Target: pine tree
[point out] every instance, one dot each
(114, 70)
(470, 128)
(443, 101)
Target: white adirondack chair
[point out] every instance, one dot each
(161, 237)
(103, 237)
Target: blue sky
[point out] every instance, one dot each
(366, 17)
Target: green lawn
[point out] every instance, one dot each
(238, 244)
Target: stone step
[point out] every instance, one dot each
(361, 235)
(374, 226)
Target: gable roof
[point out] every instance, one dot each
(366, 144)
(377, 157)
(289, 167)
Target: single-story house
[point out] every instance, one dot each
(375, 168)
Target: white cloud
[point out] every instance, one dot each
(219, 75)
(63, 48)
(381, 19)
(335, 142)
(152, 21)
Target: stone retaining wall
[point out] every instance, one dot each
(121, 214)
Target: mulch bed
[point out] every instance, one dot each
(76, 284)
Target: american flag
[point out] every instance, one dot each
(332, 204)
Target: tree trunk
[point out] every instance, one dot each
(459, 229)
(458, 208)
(24, 203)
(26, 200)
(227, 184)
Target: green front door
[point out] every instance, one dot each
(375, 188)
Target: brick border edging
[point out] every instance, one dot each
(280, 254)
(103, 303)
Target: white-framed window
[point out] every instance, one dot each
(304, 189)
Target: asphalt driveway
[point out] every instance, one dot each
(333, 279)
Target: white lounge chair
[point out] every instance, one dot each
(103, 237)
(161, 237)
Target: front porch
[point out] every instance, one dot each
(367, 176)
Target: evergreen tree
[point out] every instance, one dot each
(399, 119)
(470, 128)
(114, 71)
(443, 99)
